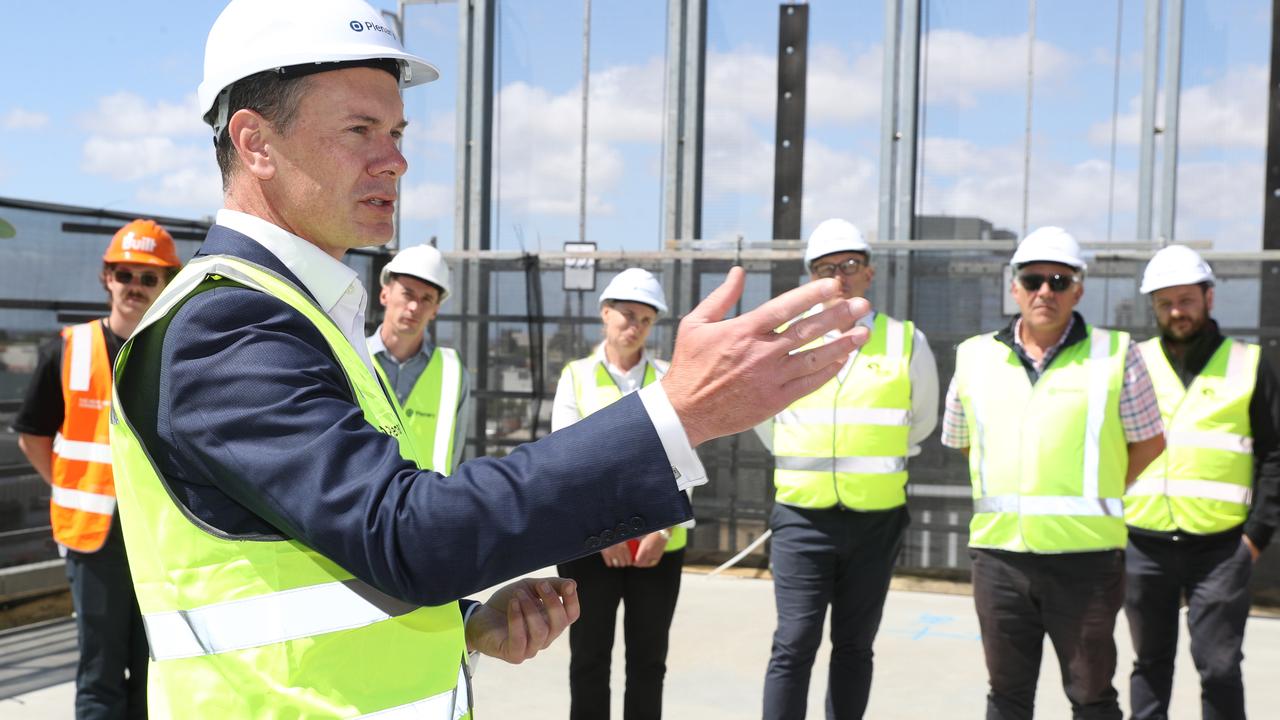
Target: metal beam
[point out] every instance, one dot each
(472, 192)
(1269, 295)
(682, 136)
(788, 148)
(1172, 94)
(908, 112)
(1147, 126)
(889, 122)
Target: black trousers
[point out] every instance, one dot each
(111, 677)
(822, 558)
(1074, 599)
(650, 597)
(1213, 575)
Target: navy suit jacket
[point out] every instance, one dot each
(253, 426)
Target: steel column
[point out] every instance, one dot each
(1147, 126)
(1172, 94)
(683, 106)
(1269, 295)
(472, 192)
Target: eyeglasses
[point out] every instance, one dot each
(848, 267)
(146, 279)
(1058, 282)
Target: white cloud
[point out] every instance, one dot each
(539, 138)
(130, 159)
(962, 66)
(188, 187)
(426, 201)
(126, 115)
(22, 119)
(1231, 111)
(967, 179)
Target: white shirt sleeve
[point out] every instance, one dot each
(684, 461)
(564, 409)
(923, 372)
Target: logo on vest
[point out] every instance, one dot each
(135, 242)
(93, 403)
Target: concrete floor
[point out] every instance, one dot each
(928, 665)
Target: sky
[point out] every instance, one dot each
(106, 116)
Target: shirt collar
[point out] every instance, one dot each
(326, 278)
(604, 360)
(376, 345)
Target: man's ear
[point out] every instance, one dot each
(252, 135)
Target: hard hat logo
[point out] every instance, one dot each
(375, 27)
(135, 242)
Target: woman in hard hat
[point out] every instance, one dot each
(643, 573)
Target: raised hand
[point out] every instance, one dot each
(729, 375)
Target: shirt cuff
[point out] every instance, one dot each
(684, 461)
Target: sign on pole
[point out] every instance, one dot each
(580, 272)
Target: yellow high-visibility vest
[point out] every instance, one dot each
(1203, 482)
(430, 411)
(1047, 461)
(270, 628)
(846, 443)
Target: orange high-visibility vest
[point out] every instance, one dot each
(84, 494)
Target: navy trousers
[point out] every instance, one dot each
(1213, 575)
(111, 677)
(650, 598)
(1074, 599)
(820, 558)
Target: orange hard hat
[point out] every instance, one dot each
(143, 242)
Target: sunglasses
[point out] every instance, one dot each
(1058, 282)
(848, 267)
(146, 279)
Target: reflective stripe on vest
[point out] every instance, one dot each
(83, 501)
(430, 412)
(262, 627)
(1048, 460)
(83, 497)
(846, 443)
(594, 389)
(1203, 481)
(79, 450)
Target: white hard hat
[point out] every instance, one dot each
(423, 262)
(834, 236)
(1049, 244)
(251, 36)
(635, 285)
(1175, 265)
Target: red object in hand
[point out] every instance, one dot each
(634, 547)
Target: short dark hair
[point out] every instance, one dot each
(273, 95)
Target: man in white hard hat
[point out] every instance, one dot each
(290, 555)
(840, 509)
(430, 383)
(1199, 515)
(643, 573)
(1056, 418)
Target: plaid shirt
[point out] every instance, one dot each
(1139, 412)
